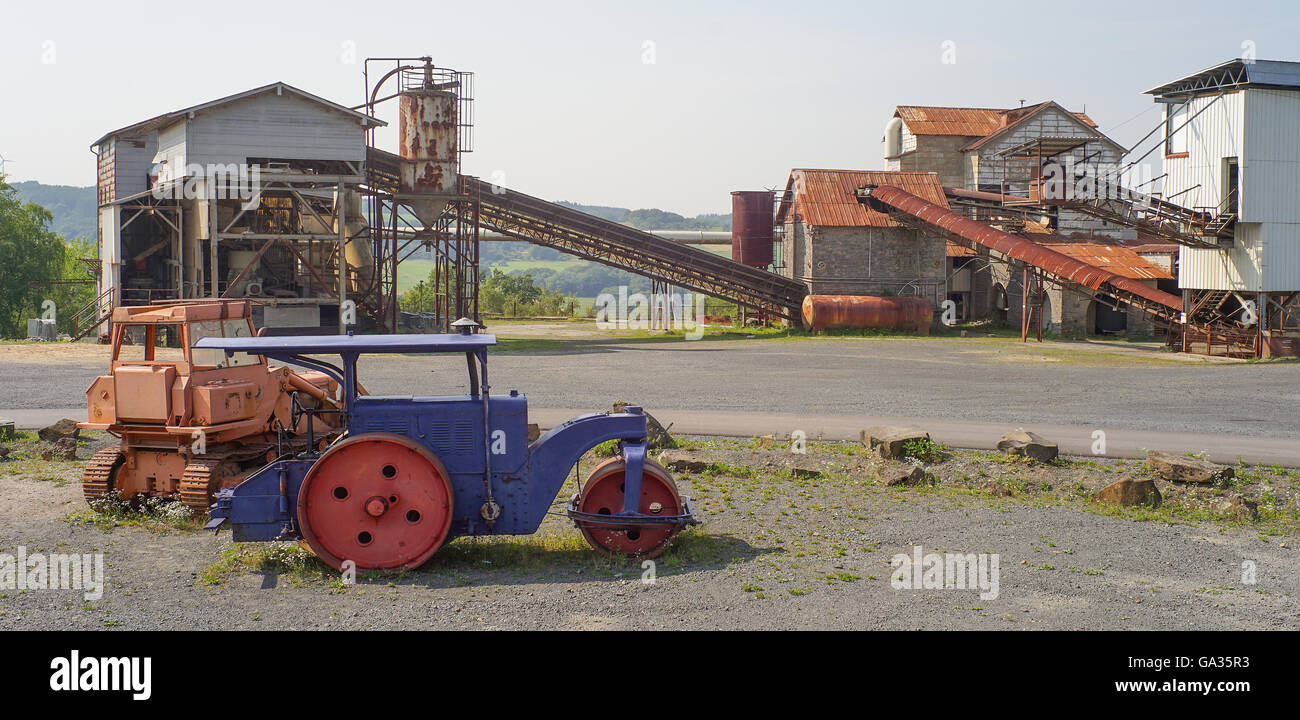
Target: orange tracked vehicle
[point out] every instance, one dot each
(195, 421)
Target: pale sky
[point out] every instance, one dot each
(649, 104)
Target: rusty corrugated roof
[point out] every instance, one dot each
(1116, 258)
(954, 250)
(829, 198)
(1155, 248)
(966, 122)
(1014, 118)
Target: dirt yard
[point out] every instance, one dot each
(787, 541)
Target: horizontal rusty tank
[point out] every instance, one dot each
(751, 227)
(864, 312)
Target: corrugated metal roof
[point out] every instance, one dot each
(1116, 258)
(953, 250)
(1155, 248)
(159, 120)
(829, 198)
(1015, 118)
(967, 122)
(1235, 73)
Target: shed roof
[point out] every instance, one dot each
(1017, 118)
(966, 122)
(1116, 258)
(953, 250)
(828, 198)
(279, 87)
(1234, 73)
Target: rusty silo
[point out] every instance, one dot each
(429, 146)
(751, 227)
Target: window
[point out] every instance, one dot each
(135, 342)
(1175, 133)
(217, 358)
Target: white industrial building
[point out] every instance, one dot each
(1232, 152)
(251, 195)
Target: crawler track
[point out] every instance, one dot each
(97, 479)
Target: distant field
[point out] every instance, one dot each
(510, 266)
(411, 272)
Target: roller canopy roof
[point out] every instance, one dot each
(340, 344)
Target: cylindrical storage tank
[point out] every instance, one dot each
(428, 146)
(751, 227)
(863, 312)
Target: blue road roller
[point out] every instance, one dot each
(411, 473)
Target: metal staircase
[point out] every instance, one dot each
(1120, 205)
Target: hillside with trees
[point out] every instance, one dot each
(36, 265)
(72, 208)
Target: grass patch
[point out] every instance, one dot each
(925, 450)
(463, 556)
(289, 560)
(155, 514)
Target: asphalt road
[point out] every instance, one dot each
(965, 391)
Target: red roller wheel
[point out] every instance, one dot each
(603, 494)
(380, 500)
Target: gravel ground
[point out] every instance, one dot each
(777, 550)
(992, 379)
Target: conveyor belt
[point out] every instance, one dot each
(592, 238)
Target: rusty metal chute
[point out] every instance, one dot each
(928, 215)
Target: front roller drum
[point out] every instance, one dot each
(379, 500)
(603, 495)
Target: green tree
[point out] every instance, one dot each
(78, 287)
(519, 294)
(29, 252)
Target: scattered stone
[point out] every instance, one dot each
(904, 475)
(534, 432)
(888, 441)
(765, 442)
(64, 428)
(7, 429)
(63, 449)
(806, 471)
(1130, 492)
(1027, 444)
(1237, 506)
(995, 488)
(4, 451)
(656, 434)
(1180, 468)
(688, 461)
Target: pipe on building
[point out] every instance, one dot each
(884, 198)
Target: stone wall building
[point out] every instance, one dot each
(837, 246)
(997, 150)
